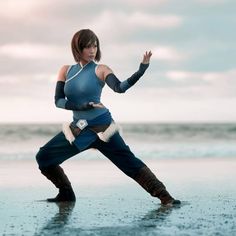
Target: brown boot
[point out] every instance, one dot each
(57, 176)
(155, 187)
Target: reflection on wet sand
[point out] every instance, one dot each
(145, 225)
(159, 214)
(57, 223)
(114, 206)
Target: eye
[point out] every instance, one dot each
(91, 46)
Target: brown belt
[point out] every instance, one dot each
(97, 129)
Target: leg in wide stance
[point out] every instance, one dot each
(59, 149)
(119, 153)
(49, 157)
(155, 187)
(57, 176)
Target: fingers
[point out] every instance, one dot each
(147, 54)
(146, 57)
(99, 105)
(96, 105)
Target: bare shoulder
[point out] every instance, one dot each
(102, 71)
(62, 73)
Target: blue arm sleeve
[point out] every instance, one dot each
(62, 102)
(120, 87)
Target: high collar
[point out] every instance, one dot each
(82, 66)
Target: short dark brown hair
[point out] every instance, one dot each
(82, 39)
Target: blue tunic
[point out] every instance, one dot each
(82, 86)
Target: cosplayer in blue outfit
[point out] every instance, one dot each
(79, 89)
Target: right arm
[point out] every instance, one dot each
(60, 98)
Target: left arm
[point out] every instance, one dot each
(120, 87)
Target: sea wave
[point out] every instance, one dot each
(161, 132)
(148, 141)
(173, 132)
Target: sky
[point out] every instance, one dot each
(191, 77)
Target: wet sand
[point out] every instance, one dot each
(109, 203)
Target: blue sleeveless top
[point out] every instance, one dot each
(82, 86)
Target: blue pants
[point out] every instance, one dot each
(58, 149)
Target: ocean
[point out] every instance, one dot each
(147, 141)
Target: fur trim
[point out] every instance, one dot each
(67, 132)
(104, 136)
(109, 132)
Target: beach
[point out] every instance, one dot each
(110, 203)
(196, 162)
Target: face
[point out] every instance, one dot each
(89, 52)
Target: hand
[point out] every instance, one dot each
(96, 105)
(146, 57)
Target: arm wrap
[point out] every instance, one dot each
(120, 87)
(62, 102)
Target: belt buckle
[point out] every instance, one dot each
(81, 124)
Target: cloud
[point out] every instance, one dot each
(183, 75)
(167, 53)
(225, 76)
(114, 22)
(30, 51)
(35, 42)
(13, 9)
(144, 3)
(211, 77)
(124, 59)
(212, 2)
(170, 105)
(203, 85)
(155, 21)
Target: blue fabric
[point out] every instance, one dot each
(55, 151)
(62, 102)
(86, 137)
(136, 76)
(58, 149)
(119, 154)
(120, 87)
(114, 83)
(124, 85)
(83, 86)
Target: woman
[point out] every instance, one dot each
(79, 89)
